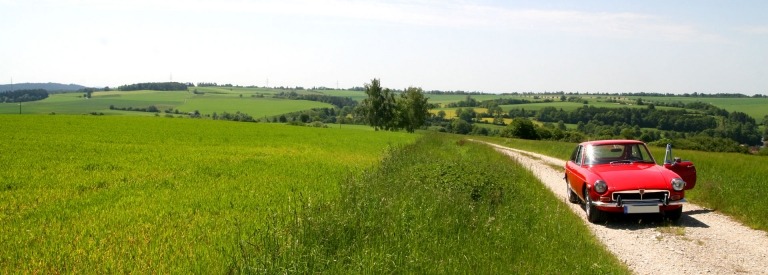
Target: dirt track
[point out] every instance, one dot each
(703, 241)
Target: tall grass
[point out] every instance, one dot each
(158, 195)
(442, 205)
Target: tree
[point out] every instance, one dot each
(441, 114)
(459, 126)
(521, 128)
(413, 109)
(379, 108)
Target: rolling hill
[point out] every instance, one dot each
(51, 87)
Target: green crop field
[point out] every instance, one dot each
(728, 182)
(120, 194)
(755, 107)
(214, 100)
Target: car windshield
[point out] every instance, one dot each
(618, 153)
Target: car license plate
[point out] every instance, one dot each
(637, 209)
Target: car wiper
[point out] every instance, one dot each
(621, 161)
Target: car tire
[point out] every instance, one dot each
(594, 215)
(674, 215)
(572, 197)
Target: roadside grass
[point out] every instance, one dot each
(731, 183)
(124, 194)
(442, 205)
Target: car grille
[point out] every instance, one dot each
(648, 195)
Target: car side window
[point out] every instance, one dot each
(576, 155)
(636, 153)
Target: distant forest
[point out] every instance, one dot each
(23, 95)
(50, 87)
(156, 86)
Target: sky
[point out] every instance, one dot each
(486, 46)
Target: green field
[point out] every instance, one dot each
(214, 100)
(120, 194)
(755, 107)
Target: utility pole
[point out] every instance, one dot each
(12, 91)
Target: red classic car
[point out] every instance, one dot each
(621, 176)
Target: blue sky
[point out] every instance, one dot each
(489, 46)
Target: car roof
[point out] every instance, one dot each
(612, 141)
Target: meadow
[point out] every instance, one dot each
(754, 107)
(728, 182)
(212, 100)
(119, 194)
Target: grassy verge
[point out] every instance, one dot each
(728, 182)
(442, 205)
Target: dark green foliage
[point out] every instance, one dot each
(468, 102)
(23, 95)
(156, 86)
(460, 126)
(521, 128)
(337, 101)
(413, 109)
(379, 108)
(383, 111)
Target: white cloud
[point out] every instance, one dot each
(758, 30)
(431, 13)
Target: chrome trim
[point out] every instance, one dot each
(641, 194)
(659, 203)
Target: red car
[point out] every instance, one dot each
(621, 176)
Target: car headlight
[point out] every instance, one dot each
(678, 184)
(601, 186)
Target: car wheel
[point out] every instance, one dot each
(594, 215)
(572, 198)
(674, 215)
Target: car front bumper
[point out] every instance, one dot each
(639, 207)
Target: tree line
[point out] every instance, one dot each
(337, 101)
(23, 95)
(156, 86)
(700, 126)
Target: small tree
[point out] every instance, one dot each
(379, 108)
(521, 128)
(413, 109)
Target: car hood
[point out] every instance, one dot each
(632, 176)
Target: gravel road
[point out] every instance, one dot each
(703, 241)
